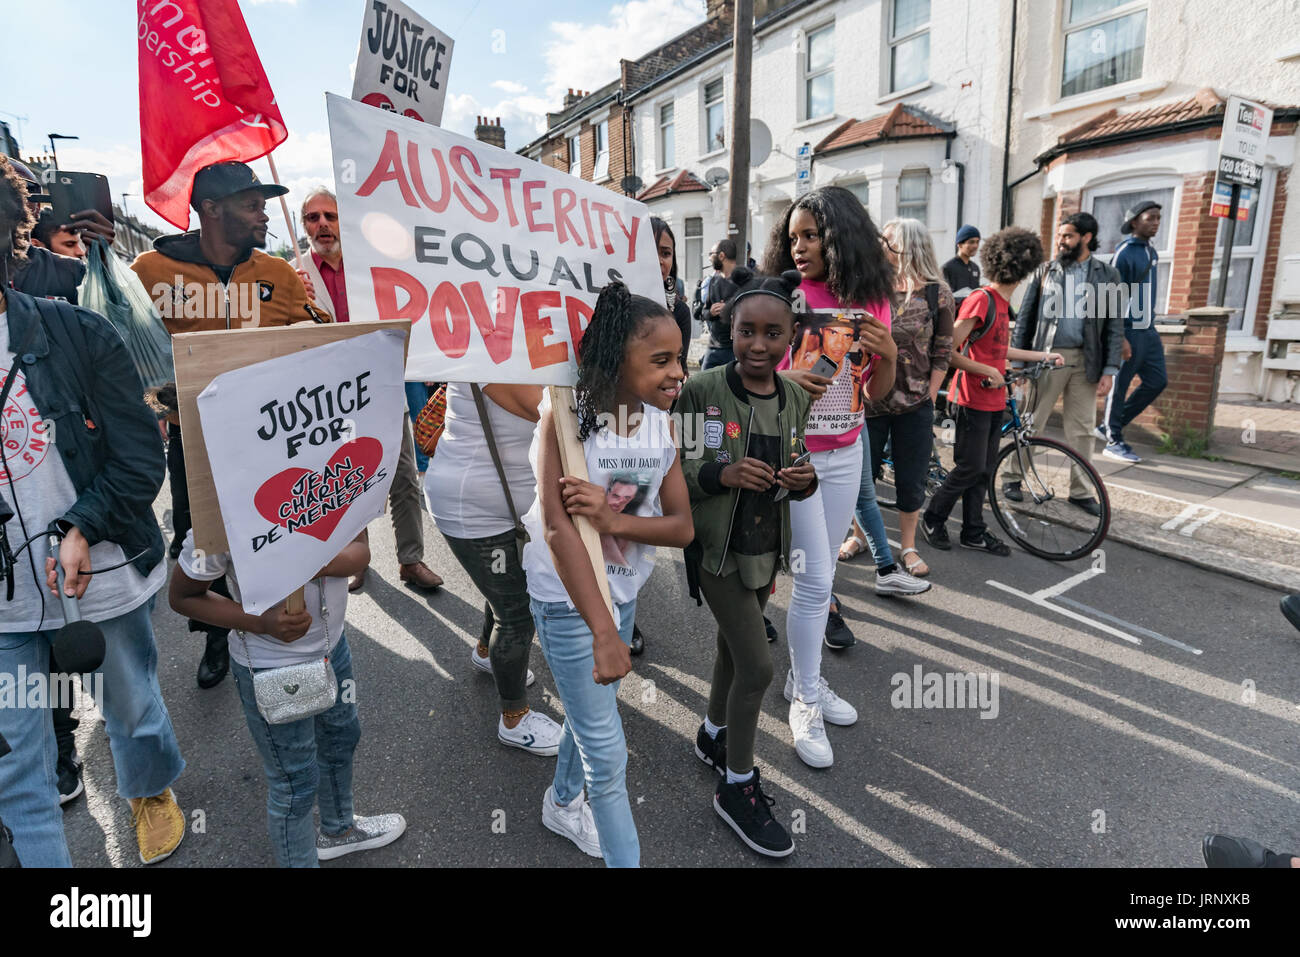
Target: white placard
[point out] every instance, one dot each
(495, 259)
(402, 62)
(303, 449)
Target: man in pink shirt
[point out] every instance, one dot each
(325, 282)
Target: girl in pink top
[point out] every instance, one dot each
(847, 287)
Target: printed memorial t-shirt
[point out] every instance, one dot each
(631, 470)
(835, 419)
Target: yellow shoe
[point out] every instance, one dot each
(159, 826)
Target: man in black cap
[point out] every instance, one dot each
(1144, 355)
(217, 277)
(962, 272)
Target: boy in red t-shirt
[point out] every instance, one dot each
(979, 390)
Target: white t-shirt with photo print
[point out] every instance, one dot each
(631, 469)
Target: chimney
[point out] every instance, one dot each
(724, 9)
(573, 96)
(490, 131)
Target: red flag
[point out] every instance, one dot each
(204, 98)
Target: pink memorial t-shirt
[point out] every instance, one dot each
(836, 419)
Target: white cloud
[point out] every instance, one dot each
(633, 29)
(509, 86)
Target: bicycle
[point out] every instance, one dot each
(1044, 522)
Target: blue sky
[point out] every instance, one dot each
(513, 59)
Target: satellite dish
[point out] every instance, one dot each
(717, 176)
(760, 142)
(631, 185)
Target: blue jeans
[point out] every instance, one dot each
(593, 750)
(1147, 363)
(146, 757)
(306, 761)
(867, 512)
(417, 397)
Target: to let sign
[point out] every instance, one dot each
(1244, 142)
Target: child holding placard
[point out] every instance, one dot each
(629, 375)
(297, 754)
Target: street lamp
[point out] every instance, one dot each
(53, 151)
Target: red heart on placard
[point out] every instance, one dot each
(352, 464)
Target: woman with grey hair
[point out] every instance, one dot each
(922, 330)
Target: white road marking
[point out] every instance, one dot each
(1128, 624)
(1044, 603)
(1061, 587)
(1178, 519)
(925, 812)
(1190, 528)
(1179, 501)
(965, 790)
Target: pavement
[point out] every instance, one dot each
(1140, 701)
(1237, 512)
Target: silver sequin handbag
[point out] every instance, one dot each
(294, 692)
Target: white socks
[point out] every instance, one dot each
(712, 729)
(734, 778)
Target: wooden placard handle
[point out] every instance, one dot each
(574, 463)
(296, 603)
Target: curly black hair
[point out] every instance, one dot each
(749, 284)
(16, 219)
(857, 270)
(617, 319)
(1011, 254)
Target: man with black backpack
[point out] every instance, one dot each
(1074, 305)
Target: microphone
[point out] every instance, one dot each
(78, 646)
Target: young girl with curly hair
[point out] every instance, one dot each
(848, 287)
(978, 392)
(629, 375)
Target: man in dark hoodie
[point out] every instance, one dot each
(217, 277)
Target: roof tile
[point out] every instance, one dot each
(901, 122)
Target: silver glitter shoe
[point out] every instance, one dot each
(367, 833)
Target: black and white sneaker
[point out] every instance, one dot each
(1012, 492)
(770, 629)
(712, 751)
(838, 636)
(70, 783)
(987, 542)
(748, 810)
(936, 535)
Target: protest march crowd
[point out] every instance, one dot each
(827, 355)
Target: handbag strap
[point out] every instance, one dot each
(496, 458)
(325, 622)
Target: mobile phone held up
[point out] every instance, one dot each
(826, 368)
(75, 192)
(782, 492)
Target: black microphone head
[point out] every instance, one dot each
(79, 647)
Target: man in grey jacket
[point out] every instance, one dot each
(1075, 305)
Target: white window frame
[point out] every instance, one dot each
(575, 155)
(1068, 28)
(600, 131)
(1257, 251)
(807, 75)
(916, 172)
(1168, 234)
(892, 41)
(691, 264)
(707, 147)
(664, 161)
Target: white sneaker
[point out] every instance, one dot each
(810, 735)
(367, 833)
(834, 708)
(484, 664)
(576, 822)
(900, 582)
(535, 733)
(1102, 433)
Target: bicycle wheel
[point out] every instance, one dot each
(1044, 522)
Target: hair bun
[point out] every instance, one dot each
(791, 278)
(741, 275)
